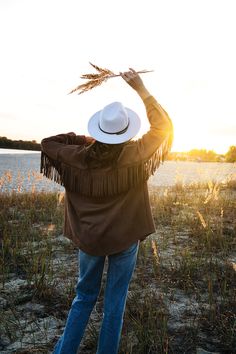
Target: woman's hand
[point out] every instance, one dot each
(89, 140)
(134, 80)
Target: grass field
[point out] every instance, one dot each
(181, 299)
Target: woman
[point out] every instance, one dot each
(107, 209)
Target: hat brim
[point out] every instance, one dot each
(99, 135)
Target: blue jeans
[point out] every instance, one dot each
(119, 273)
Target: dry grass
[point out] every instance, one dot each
(97, 79)
(183, 292)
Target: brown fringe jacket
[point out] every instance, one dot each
(108, 209)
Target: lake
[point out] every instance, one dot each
(19, 171)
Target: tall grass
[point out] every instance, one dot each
(183, 291)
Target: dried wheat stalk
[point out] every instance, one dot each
(97, 79)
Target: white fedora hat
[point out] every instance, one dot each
(114, 124)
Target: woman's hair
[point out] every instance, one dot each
(103, 155)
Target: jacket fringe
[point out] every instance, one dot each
(101, 182)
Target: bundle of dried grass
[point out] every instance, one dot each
(97, 79)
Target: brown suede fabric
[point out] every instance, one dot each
(108, 209)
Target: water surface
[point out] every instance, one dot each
(20, 171)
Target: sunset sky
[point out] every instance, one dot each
(190, 44)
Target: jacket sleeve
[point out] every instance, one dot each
(156, 143)
(61, 144)
(59, 150)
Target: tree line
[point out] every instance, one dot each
(203, 155)
(192, 155)
(6, 143)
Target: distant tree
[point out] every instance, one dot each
(18, 144)
(203, 155)
(230, 156)
(196, 155)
